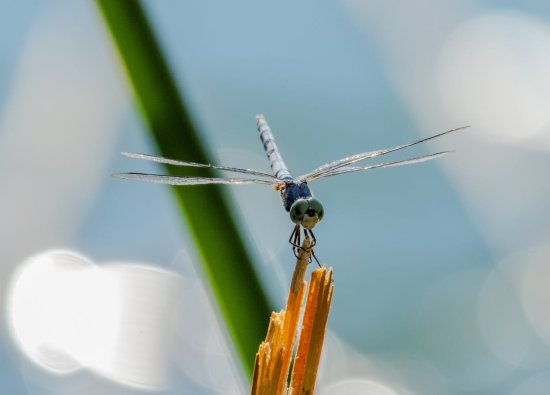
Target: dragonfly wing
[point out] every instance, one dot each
(330, 167)
(175, 180)
(409, 161)
(166, 161)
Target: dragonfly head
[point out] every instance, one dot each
(306, 212)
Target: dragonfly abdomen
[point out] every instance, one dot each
(273, 155)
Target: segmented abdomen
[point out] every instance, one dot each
(273, 156)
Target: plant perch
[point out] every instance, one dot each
(271, 369)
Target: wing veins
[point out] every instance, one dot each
(417, 159)
(183, 180)
(330, 167)
(159, 159)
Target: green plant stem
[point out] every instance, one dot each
(226, 263)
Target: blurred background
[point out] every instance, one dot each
(441, 269)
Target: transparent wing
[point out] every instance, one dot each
(167, 161)
(182, 180)
(330, 167)
(409, 161)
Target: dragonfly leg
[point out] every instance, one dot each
(298, 242)
(306, 232)
(292, 237)
(294, 240)
(315, 257)
(312, 237)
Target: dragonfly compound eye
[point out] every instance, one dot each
(298, 210)
(313, 214)
(316, 206)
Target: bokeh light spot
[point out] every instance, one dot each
(493, 73)
(66, 313)
(61, 311)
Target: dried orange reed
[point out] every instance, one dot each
(271, 369)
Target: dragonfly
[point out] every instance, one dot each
(296, 196)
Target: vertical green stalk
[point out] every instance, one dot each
(224, 258)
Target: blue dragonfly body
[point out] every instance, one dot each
(296, 196)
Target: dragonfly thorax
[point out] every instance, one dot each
(293, 190)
